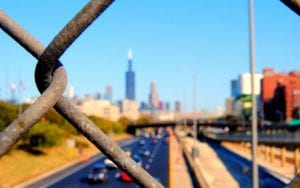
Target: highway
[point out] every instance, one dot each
(157, 164)
(241, 169)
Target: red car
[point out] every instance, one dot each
(125, 177)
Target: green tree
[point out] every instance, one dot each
(144, 120)
(124, 121)
(44, 134)
(8, 112)
(105, 125)
(118, 127)
(53, 117)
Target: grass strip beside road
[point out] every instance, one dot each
(18, 166)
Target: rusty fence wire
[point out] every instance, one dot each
(51, 80)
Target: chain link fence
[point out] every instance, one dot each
(51, 80)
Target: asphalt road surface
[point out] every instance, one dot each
(157, 164)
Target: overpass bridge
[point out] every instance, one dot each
(274, 135)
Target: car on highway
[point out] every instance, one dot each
(97, 174)
(124, 176)
(137, 159)
(109, 164)
(154, 141)
(145, 152)
(142, 142)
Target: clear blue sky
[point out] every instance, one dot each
(169, 39)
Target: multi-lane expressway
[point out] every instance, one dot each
(157, 164)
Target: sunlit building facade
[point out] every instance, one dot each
(153, 96)
(100, 108)
(280, 94)
(130, 109)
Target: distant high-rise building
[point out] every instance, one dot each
(235, 91)
(242, 85)
(229, 106)
(161, 105)
(167, 106)
(245, 83)
(144, 106)
(177, 106)
(98, 95)
(108, 93)
(130, 80)
(153, 96)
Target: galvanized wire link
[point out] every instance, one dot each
(26, 120)
(48, 59)
(294, 5)
(20, 126)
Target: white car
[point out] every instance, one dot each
(142, 142)
(109, 164)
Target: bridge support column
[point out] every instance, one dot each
(296, 160)
(272, 154)
(259, 147)
(244, 146)
(282, 156)
(263, 151)
(266, 149)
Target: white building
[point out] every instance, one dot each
(245, 83)
(130, 109)
(100, 108)
(164, 115)
(242, 86)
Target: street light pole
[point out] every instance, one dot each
(254, 110)
(195, 151)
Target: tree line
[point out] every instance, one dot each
(52, 129)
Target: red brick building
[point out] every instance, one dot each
(280, 94)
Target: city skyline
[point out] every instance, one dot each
(209, 40)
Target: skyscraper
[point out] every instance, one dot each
(177, 106)
(130, 80)
(153, 96)
(108, 93)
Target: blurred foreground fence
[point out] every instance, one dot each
(51, 80)
(293, 4)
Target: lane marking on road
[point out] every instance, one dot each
(147, 166)
(81, 166)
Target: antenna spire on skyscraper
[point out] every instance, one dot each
(130, 54)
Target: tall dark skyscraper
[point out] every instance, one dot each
(130, 80)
